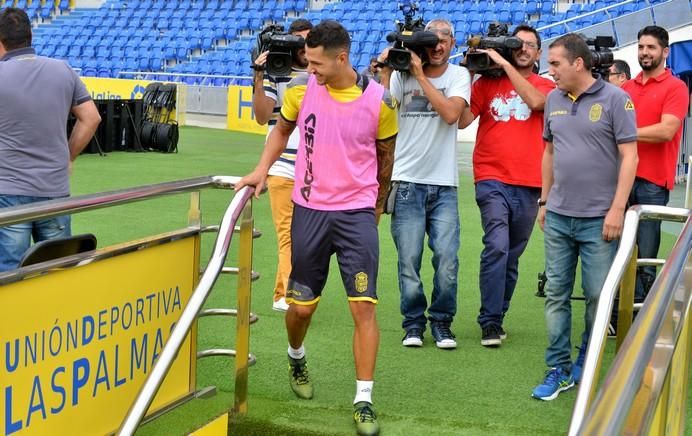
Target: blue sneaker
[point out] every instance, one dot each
(556, 381)
(578, 366)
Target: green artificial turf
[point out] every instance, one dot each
(471, 390)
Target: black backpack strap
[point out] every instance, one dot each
(364, 78)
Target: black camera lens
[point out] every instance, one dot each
(279, 64)
(399, 59)
(602, 58)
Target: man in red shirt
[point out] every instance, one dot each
(661, 102)
(507, 172)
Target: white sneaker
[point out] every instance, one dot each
(280, 305)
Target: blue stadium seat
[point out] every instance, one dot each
(231, 32)
(475, 27)
(626, 9)
(75, 50)
(517, 6)
(76, 63)
(518, 18)
(547, 7)
(207, 41)
(143, 64)
(585, 21)
(483, 5)
(103, 51)
(488, 17)
(46, 11)
(181, 53)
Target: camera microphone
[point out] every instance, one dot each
(474, 41)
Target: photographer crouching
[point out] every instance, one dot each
(431, 94)
(509, 99)
(274, 49)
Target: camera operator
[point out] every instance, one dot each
(661, 101)
(267, 98)
(431, 96)
(619, 73)
(588, 168)
(507, 171)
(372, 70)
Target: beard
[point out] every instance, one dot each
(299, 61)
(527, 62)
(655, 62)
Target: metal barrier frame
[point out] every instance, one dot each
(240, 208)
(605, 414)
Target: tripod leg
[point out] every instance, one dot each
(138, 141)
(98, 146)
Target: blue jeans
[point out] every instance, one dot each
(508, 213)
(648, 233)
(566, 240)
(16, 239)
(431, 209)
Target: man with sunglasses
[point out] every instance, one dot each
(507, 172)
(430, 96)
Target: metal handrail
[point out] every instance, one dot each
(605, 302)
(82, 203)
(605, 9)
(645, 349)
(187, 318)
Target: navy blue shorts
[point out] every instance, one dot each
(315, 236)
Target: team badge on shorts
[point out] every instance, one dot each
(361, 282)
(595, 112)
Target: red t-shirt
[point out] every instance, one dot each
(664, 94)
(509, 142)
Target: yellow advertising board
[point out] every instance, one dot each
(217, 427)
(77, 344)
(240, 116)
(115, 89)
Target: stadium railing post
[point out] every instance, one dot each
(626, 304)
(243, 318)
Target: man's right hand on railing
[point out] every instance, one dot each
(257, 178)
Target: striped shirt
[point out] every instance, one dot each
(275, 88)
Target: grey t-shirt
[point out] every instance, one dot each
(426, 146)
(585, 134)
(36, 96)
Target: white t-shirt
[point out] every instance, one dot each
(426, 146)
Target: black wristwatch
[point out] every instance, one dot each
(542, 202)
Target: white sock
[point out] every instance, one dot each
(296, 353)
(363, 391)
